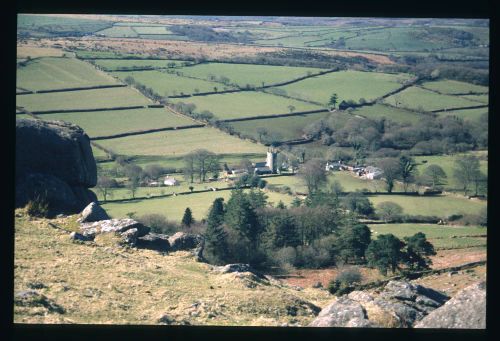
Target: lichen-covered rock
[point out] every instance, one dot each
(79, 236)
(360, 296)
(466, 310)
(342, 312)
(237, 267)
(93, 212)
(130, 237)
(113, 225)
(31, 298)
(54, 159)
(154, 241)
(182, 241)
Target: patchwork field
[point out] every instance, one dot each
(118, 32)
(439, 236)
(104, 123)
(59, 73)
(452, 87)
(287, 128)
(173, 207)
(440, 206)
(243, 74)
(246, 104)
(86, 99)
(421, 99)
(116, 64)
(378, 111)
(181, 142)
(168, 84)
(348, 85)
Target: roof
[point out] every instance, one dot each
(260, 164)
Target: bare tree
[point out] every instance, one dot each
(313, 174)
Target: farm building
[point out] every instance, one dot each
(169, 181)
(269, 166)
(372, 173)
(335, 166)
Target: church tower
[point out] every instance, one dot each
(272, 160)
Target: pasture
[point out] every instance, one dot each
(378, 111)
(173, 207)
(246, 104)
(169, 84)
(36, 52)
(440, 206)
(118, 32)
(466, 114)
(59, 73)
(452, 87)
(286, 128)
(348, 85)
(151, 30)
(100, 123)
(420, 99)
(114, 64)
(253, 75)
(180, 142)
(440, 236)
(85, 99)
(447, 162)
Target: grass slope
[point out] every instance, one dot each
(113, 64)
(452, 87)
(378, 111)
(100, 283)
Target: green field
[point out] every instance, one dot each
(447, 162)
(440, 206)
(36, 25)
(181, 142)
(287, 128)
(246, 104)
(167, 84)
(112, 122)
(173, 207)
(348, 85)
(118, 32)
(466, 114)
(481, 99)
(151, 30)
(243, 74)
(114, 64)
(378, 111)
(439, 236)
(86, 99)
(59, 73)
(421, 99)
(451, 87)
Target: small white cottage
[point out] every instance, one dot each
(169, 181)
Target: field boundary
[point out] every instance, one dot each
(75, 89)
(461, 108)
(64, 111)
(141, 132)
(251, 118)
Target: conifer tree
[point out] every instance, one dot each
(187, 219)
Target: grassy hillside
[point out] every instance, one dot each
(100, 283)
(114, 64)
(451, 87)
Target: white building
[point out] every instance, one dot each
(170, 181)
(372, 173)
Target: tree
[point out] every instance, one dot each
(191, 188)
(313, 174)
(105, 185)
(333, 100)
(390, 168)
(418, 250)
(466, 170)
(406, 170)
(291, 108)
(436, 175)
(153, 171)
(282, 232)
(389, 210)
(216, 246)
(336, 188)
(262, 132)
(352, 242)
(189, 169)
(132, 186)
(385, 253)
(357, 202)
(133, 172)
(480, 182)
(241, 216)
(187, 219)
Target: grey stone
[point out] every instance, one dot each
(113, 225)
(237, 267)
(93, 212)
(81, 237)
(130, 236)
(466, 310)
(343, 312)
(360, 296)
(182, 241)
(31, 298)
(154, 241)
(54, 159)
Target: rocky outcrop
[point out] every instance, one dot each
(187, 241)
(399, 304)
(466, 310)
(54, 161)
(237, 267)
(118, 226)
(93, 212)
(31, 298)
(154, 241)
